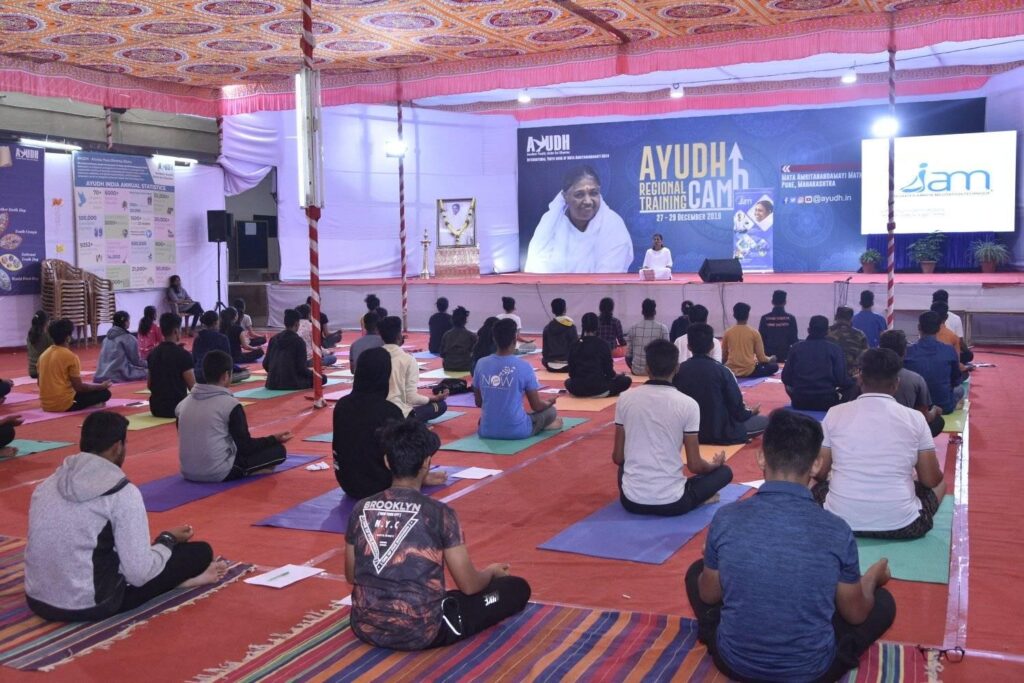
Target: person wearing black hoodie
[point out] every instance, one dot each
(89, 554)
(778, 329)
(590, 365)
(358, 419)
(559, 337)
(485, 345)
(457, 344)
(285, 361)
(439, 324)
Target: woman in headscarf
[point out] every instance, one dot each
(580, 233)
(358, 418)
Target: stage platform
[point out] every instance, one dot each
(809, 294)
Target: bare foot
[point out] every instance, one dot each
(265, 470)
(9, 452)
(214, 573)
(554, 426)
(436, 478)
(712, 500)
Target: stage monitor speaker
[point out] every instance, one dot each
(218, 226)
(721, 270)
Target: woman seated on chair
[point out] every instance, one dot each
(182, 303)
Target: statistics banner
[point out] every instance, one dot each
(124, 218)
(22, 219)
(779, 190)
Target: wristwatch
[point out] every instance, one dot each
(166, 538)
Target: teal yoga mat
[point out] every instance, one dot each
(263, 392)
(925, 559)
(474, 444)
(28, 446)
(328, 437)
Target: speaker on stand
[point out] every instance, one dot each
(218, 229)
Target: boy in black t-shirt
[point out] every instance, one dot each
(439, 323)
(171, 372)
(396, 548)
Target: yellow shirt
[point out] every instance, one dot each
(742, 349)
(948, 336)
(57, 366)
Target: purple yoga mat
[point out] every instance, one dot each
(748, 382)
(14, 398)
(466, 400)
(329, 512)
(40, 415)
(613, 533)
(171, 492)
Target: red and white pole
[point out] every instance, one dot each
(890, 305)
(108, 123)
(309, 152)
(401, 225)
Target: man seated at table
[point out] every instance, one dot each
(89, 554)
(779, 595)
(724, 417)
(500, 381)
(815, 375)
(888, 487)
(653, 424)
(213, 435)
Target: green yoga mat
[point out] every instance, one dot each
(925, 559)
(474, 444)
(328, 437)
(957, 420)
(442, 374)
(146, 420)
(28, 446)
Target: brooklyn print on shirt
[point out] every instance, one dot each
(385, 524)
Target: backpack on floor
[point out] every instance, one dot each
(454, 386)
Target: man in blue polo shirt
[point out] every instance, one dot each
(779, 595)
(938, 363)
(869, 322)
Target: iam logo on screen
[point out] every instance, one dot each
(961, 182)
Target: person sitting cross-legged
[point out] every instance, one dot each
(642, 334)
(654, 422)
(89, 554)
(285, 361)
(500, 381)
(815, 375)
(698, 314)
(884, 488)
(369, 340)
(171, 373)
(305, 331)
(210, 339)
(743, 349)
(61, 388)
(852, 341)
(724, 417)
(457, 344)
(779, 595)
(405, 376)
(867, 321)
(591, 372)
(912, 390)
(439, 324)
(559, 336)
(214, 443)
(397, 547)
(778, 328)
(937, 363)
(119, 359)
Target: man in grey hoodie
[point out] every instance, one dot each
(89, 555)
(214, 443)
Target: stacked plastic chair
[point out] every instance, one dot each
(100, 302)
(81, 297)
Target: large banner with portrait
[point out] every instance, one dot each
(779, 190)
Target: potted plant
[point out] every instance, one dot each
(989, 254)
(870, 260)
(927, 251)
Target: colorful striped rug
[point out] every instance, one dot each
(543, 643)
(30, 643)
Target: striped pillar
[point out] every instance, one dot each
(890, 300)
(220, 135)
(401, 227)
(307, 43)
(108, 123)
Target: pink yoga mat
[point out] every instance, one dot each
(15, 398)
(40, 415)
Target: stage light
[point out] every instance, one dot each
(395, 149)
(849, 78)
(50, 144)
(885, 127)
(676, 93)
(524, 97)
(177, 161)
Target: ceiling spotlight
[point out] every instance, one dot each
(885, 127)
(524, 97)
(676, 93)
(849, 78)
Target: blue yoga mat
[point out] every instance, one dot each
(747, 382)
(174, 491)
(424, 355)
(615, 534)
(329, 512)
(818, 415)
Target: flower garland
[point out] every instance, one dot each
(457, 234)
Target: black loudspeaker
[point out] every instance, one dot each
(721, 270)
(218, 226)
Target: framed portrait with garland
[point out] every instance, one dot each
(456, 222)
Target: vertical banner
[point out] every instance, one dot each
(22, 219)
(124, 218)
(752, 235)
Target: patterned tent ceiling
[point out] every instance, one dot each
(254, 43)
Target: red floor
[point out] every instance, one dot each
(543, 490)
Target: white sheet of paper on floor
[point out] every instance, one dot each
(284, 576)
(475, 473)
(754, 484)
(345, 601)
(317, 466)
(550, 390)
(773, 380)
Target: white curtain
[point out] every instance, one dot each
(251, 148)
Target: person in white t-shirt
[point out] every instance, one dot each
(654, 422)
(872, 449)
(953, 322)
(523, 344)
(698, 314)
(657, 261)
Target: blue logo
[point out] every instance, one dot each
(928, 180)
